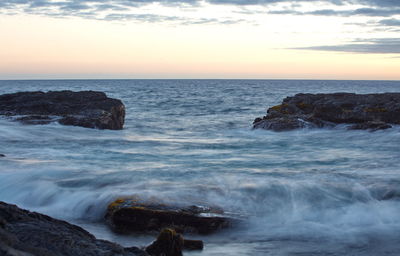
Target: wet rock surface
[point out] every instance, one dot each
(372, 126)
(88, 109)
(364, 111)
(171, 243)
(134, 215)
(168, 243)
(26, 233)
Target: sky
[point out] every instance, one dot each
(222, 39)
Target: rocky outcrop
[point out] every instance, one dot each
(89, 109)
(133, 215)
(171, 243)
(24, 233)
(168, 243)
(364, 111)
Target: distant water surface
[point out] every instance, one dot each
(305, 192)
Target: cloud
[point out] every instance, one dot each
(390, 22)
(371, 12)
(377, 46)
(382, 3)
(129, 10)
(371, 3)
(384, 12)
(150, 18)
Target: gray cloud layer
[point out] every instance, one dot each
(379, 46)
(371, 12)
(118, 4)
(121, 10)
(377, 8)
(110, 10)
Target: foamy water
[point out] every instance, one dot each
(304, 192)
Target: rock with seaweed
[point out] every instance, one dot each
(25, 233)
(89, 109)
(364, 111)
(135, 215)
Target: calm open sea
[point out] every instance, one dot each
(305, 192)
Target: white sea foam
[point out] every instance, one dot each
(304, 192)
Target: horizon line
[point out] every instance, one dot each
(258, 79)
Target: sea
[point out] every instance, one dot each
(307, 192)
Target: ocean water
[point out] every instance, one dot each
(304, 192)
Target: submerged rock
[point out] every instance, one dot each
(365, 111)
(28, 233)
(89, 109)
(133, 215)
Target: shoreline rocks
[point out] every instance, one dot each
(133, 215)
(25, 233)
(364, 111)
(29, 233)
(90, 109)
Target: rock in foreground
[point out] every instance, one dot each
(171, 243)
(89, 109)
(132, 215)
(364, 111)
(24, 233)
(168, 243)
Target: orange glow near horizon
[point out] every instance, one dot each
(43, 47)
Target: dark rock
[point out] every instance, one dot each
(133, 215)
(89, 109)
(168, 243)
(171, 243)
(193, 245)
(365, 111)
(26, 233)
(279, 124)
(2, 155)
(373, 126)
(35, 119)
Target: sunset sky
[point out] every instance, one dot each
(261, 39)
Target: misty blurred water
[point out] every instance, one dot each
(305, 192)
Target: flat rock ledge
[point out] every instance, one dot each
(126, 215)
(362, 111)
(25, 233)
(90, 109)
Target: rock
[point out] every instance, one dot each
(373, 126)
(26, 233)
(280, 124)
(133, 215)
(35, 119)
(171, 243)
(2, 155)
(89, 109)
(193, 245)
(365, 111)
(168, 243)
